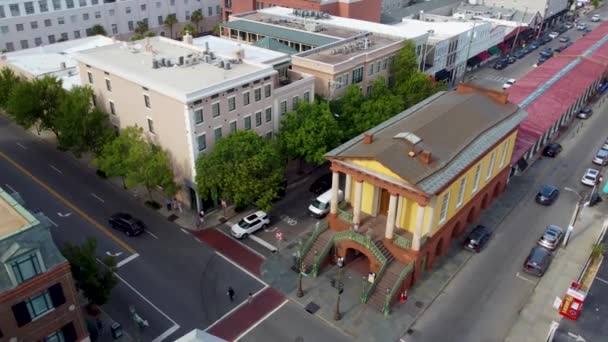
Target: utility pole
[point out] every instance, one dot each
(468, 50)
(521, 22)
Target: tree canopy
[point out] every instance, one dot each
(94, 279)
(243, 168)
(8, 82)
(170, 20)
(309, 132)
(197, 17)
(97, 29)
(190, 29)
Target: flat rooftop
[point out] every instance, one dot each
(333, 26)
(343, 51)
(229, 47)
(196, 78)
(441, 29)
(13, 217)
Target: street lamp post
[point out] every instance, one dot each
(339, 288)
(577, 210)
(300, 292)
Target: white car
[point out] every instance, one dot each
(569, 25)
(250, 224)
(605, 145)
(553, 34)
(508, 84)
(581, 26)
(590, 177)
(595, 18)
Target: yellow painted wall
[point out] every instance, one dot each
(375, 167)
(367, 198)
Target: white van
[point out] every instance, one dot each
(319, 207)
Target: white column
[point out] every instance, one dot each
(390, 219)
(399, 216)
(348, 185)
(357, 204)
(335, 182)
(431, 208)
(418, 228)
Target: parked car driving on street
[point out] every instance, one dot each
(477, 239)
(590, 177)
(250, 224)
(127, 224)
(552, 150)
(551, 237)
(547, 194)
(537, 261)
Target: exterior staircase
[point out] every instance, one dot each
(387, 281)
(322, 240)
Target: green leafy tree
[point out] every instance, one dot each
(309, 132)
(113, 157)
(348, 108)
(596, 3)
(81, 126)
(150, 166)
(96, 280)
(188, 28)
(97, 29)
(8, 82)
(216, 30)
(170, 21)
(141, 27)
(136, 37)
(36, 103)
(150, 34)
(379, 106)
(406, 64)
(243, 168)
(196, 18)
(417, 88)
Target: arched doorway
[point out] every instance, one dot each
(456, 230)
(357, 256)
(497, 189)
(472, 214)
(438, 247)
(484, 201)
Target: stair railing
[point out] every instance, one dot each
(320, 227)
(389, 298)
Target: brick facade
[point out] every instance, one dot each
(55, 319)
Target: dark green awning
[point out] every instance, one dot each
(494, 50)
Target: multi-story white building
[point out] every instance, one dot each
(30, 23)
(187, 97)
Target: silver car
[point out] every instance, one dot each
(601, 157)
(551, 238)
(591, 177)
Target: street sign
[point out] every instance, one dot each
(278, 235)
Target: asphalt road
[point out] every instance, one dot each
(484, 298)
(174, 281)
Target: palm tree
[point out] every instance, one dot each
(188, 28)
(141, 28)
(196, 18)
(170, 20)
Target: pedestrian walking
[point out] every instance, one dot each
(201, 218)
(249, 298)
(168, 204)
(177, 204)
(231, 293)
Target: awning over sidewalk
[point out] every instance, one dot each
(494, 50)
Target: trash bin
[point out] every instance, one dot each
(116, 330)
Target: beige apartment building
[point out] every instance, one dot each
(187, 96)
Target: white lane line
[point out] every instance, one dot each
(10, 188)
(98, 198)
(524, 278)
(241, 268)
(263, 243)
(198, 240)
(126, 260)
(185, 231)
(234, 309)
(53, 223)
(242, 244)
(602, 280)
(21, 145)
(166, 333)
(262, 320)
(56, 169)
(147, 232)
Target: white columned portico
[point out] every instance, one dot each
(390, 219)
(418, 228)
(335, 183)
(357, 204)
(349, 180)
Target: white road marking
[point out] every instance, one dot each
(56, 169)
(166, 333)
(234, 309)
(241, 268)
(524, 278)
(98, 198)
(264, 244)
(185, 231)
(127, 260)
(68, 214)
(242, 244)
(21, 145)
(147, 232)
(53, 223)
(9, 187)
(262, 319)
(602, 280)
(198, 240)
(117, 254)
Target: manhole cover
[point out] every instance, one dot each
(312, 307)
(419, 304)
(172, 217)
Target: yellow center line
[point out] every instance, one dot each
(69, 204)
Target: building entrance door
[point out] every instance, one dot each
(385, 196)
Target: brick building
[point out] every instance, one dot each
(357, 9)
(38, 299)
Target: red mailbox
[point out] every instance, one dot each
(572, 304)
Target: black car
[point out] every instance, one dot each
(562, 29)
(519, 54)
(546, 39)
(552, 150)
(537, 261)
(511, 59)
(547, 52)
(321, 184)
(542, 59)
(477, 239)
(127, 224)
(547, 194)
(501, 64)
(534, 45)
(559, 49)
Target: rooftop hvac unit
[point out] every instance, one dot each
(155, 64)
(220, 64)
(206, 59)
(180, 60)
(312, 27)
(227, 66)
(333, 51)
